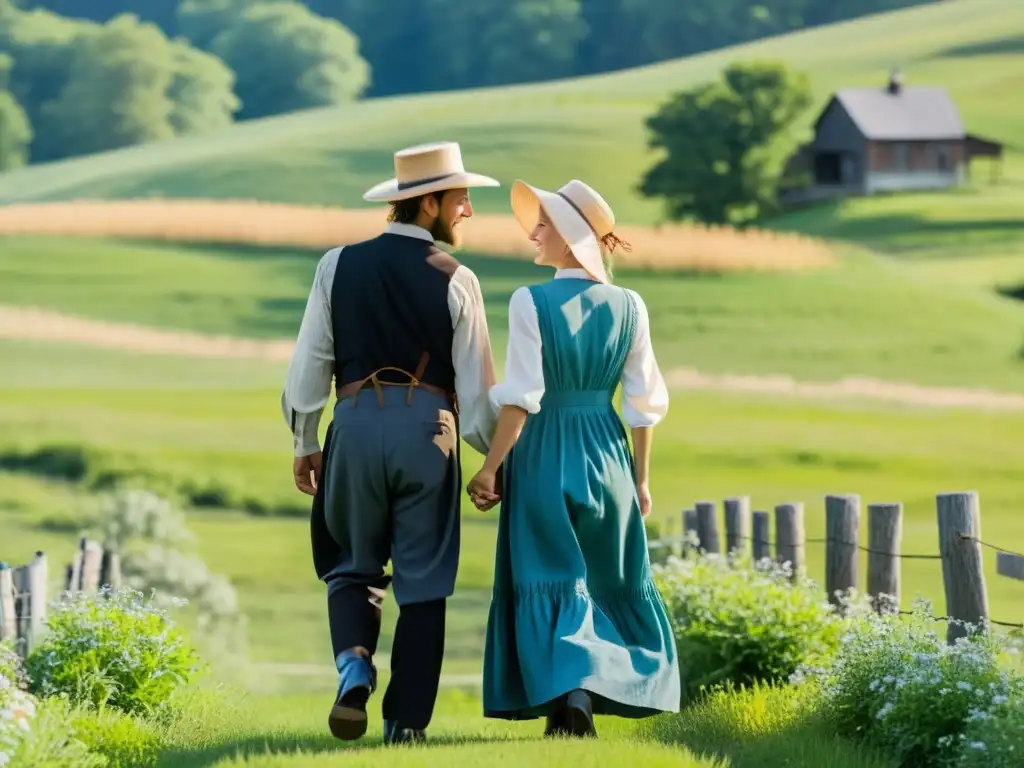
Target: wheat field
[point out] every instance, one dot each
(242, 222)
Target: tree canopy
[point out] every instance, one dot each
(721, 146)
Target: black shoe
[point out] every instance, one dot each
(579, 714)
(358, 680)
(555, 725)
(395, 735)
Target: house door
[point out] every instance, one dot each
(848, 172)
(827, 168)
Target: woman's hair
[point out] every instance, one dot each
(609, 243)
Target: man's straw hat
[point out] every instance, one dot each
(577, 211)
(427, 168)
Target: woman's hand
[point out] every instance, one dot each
(643, 491)
(482, 490)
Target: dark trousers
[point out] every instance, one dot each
(391, 493)
(416, 654)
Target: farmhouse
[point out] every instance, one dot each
(893, 139)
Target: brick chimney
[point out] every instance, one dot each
(895, 86)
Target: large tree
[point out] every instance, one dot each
(15, 129)
(284, 56)
(202, 91)
(117, 91)
(723, 143)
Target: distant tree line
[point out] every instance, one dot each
(79, 77)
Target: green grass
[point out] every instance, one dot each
(751, 729)
(711, 446)
(865, 317)
(548, 133)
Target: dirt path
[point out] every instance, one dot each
(39, 325)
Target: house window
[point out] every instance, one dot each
(900, 157)
(942, 158)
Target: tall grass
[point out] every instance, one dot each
(682, 247)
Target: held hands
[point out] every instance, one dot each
(306, 471)
(483, 490)
(643, 491)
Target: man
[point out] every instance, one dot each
(400, 325)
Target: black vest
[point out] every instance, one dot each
(389, 303)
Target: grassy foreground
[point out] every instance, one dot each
(762, 727)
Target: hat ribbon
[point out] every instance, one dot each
(580, 212)
(403, 185)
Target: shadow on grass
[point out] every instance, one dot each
(285, 746)
(1004, 45)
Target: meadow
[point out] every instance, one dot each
(208, 431)
(917, 288)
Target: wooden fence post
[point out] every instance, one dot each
(35, 587)
(737, 524)
(92, 559)
(8, 618)
(707, 527)
(689, 526)
(73, 577)
(1010, 565)
(959, 543)
(842, 534)
(789, 535)
(885, 531)
(110, 570)
(761, 536)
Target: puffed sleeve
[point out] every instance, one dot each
(644, 393)
(524, 374)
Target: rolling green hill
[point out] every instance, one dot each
(590, 127)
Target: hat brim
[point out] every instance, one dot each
(527, 202)
(388, 191)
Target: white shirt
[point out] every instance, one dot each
(644, 394)
(310, 376)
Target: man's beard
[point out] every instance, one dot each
(444, 233)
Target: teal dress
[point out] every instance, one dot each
(573, 604)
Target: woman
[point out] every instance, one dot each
(576, 626)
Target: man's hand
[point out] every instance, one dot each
(482, 490)
(643, 491)
(307, 470)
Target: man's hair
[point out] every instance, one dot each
(406, 211)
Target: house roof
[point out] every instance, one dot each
(919, 112)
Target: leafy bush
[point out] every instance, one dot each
(17, 706)
(112, 649)
(742, 622)
(899, 685)
(52, 742)
(157, 554)
(996, 740)
(124, 740)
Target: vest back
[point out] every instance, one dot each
(389, 303)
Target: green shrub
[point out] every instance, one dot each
(898, 684)
(739, 622)
(17, 706)
(51, 742)
(996, 739)
(111, 649)
(126, 741)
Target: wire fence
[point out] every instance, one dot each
(25, 590)
(959, 517)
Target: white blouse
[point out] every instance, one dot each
(645, 396)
